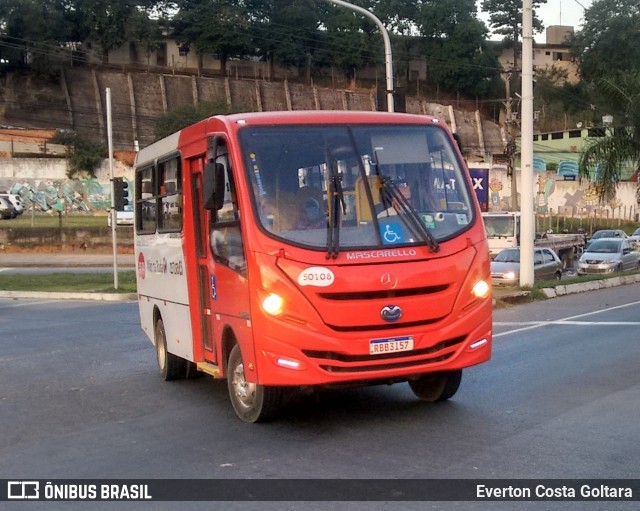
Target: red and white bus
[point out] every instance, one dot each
(302, 249)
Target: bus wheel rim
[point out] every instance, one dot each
(243, 390)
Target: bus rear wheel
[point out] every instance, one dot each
(432, 387)
(171, 366)
(252, 402)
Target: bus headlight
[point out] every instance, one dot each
(480, 289)
(273, 304)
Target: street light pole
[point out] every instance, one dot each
(388, 59)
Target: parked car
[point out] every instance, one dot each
(15, 201)
(6, 209)
(606, 233)
(609, 255)
(505, 268)
(122, 217)
(635, 236)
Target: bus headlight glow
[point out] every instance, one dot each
(273, 304)
(481, 289)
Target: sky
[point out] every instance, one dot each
(563, 12)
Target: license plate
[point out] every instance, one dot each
(390, 345)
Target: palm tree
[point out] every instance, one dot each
(622, 145)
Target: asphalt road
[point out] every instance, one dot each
(80, 397)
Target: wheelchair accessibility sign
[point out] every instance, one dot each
(392, 233)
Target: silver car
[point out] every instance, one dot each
(609, 255)
(15, 201)
(505, 268)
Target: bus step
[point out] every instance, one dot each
(209, 368)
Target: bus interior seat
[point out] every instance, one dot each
(363, 210)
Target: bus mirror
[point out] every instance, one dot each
(213, 186)
(208, 186)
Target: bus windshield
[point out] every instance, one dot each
(336, 187)
(500, 226)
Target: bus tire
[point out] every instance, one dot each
(171, 366)
(251, 402)
(432, 387)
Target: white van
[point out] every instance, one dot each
(15, 201)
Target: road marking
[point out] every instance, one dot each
(26, 304)
(530, 325)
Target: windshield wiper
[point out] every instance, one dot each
(338, 208)
(392, 194)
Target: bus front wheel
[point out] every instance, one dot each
(252, 402)
(432, 387)
(171, 366)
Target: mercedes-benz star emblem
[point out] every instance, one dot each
(388, 280)
(391, 313)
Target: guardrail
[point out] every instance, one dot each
(15, 148)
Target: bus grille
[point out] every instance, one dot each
(342, 363)
(386, 294)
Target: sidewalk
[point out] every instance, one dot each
(66, 260)
(63, 260)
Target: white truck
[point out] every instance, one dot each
(503, 231)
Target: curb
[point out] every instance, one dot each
(45, 295)
(568, 289)
(594, 285)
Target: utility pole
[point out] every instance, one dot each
(510, 150)
(527, 227)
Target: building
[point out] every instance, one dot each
(556, 52)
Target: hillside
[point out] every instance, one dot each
(77, 102)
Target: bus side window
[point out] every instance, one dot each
(226, 237)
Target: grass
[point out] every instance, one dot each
(53, 221)
(70, 282)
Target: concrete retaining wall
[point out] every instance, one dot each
(65, 239)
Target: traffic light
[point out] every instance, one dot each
(120, 193)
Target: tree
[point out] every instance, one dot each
(33, 32)
(144, 31)
(285, 30)
(455, 44)
(84, 155)
(398, 16)
(621, 146)
(103, 22)
(505, 18)
(559, 102)
(347, 40)
(214, 26)
(609, 39)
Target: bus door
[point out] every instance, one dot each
(201, 238)
(229, 292)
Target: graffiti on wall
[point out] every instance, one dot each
(569, 198)
(86, 195)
